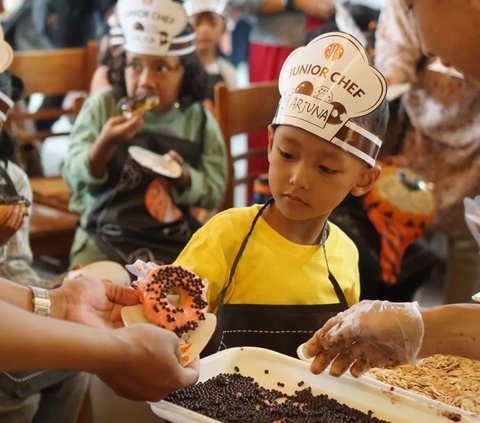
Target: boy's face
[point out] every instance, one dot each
(309, 177)
(450, 29)
(209, 28)
(160, 75)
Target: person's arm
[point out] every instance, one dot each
(316, 8)
(140, 362)
(397, 48)
(381, 333)
(451, 329)
(207, 182)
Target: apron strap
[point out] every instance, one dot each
(242, 249)
(323, 238)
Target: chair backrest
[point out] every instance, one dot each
(243, 111)
(51, 72)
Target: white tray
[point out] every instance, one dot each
(396, 406)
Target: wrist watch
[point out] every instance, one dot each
(41, 301)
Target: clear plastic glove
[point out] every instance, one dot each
(369, 334)
(472, 216)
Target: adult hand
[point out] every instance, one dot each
(146, 364)
(91, 301)
(369, 334)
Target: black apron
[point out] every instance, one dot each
(213, 79)
(281, 328)
(120, 224)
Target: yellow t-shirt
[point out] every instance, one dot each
(272, 270)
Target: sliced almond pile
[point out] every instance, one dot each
(452, 380)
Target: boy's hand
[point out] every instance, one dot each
(369, 334)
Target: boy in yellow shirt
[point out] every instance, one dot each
(271, 268)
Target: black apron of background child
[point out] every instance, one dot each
(120, 224)
(281, 328)
(213, 79)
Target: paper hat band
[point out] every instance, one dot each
(6, 104)
(327, 83)
(116, 37)
(155, 27)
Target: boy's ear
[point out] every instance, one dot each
(271, 133)
(365, 180)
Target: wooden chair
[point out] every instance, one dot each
(50, 72)
(243, 111)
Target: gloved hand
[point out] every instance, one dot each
(369, 334)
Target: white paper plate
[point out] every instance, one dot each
(161, 164)
(191, 344)
(396, 90)
(104, 269)
(395, 405)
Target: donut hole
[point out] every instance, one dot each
(175, 297)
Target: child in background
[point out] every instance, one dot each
(129, 211)
(276, 271)
(208, 19)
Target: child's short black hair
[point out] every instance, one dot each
(194, 86)
(375, 122)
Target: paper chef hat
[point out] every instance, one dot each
(155, 27)
(6, 58)
(327, 83)
(194, 7)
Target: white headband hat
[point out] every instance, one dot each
(325, 84)
(155, 27)
(194, 7)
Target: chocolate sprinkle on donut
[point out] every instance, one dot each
(164, 281)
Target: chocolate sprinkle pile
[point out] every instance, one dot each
(239, 399)
(168, 278)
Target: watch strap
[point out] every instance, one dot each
(41, 301)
